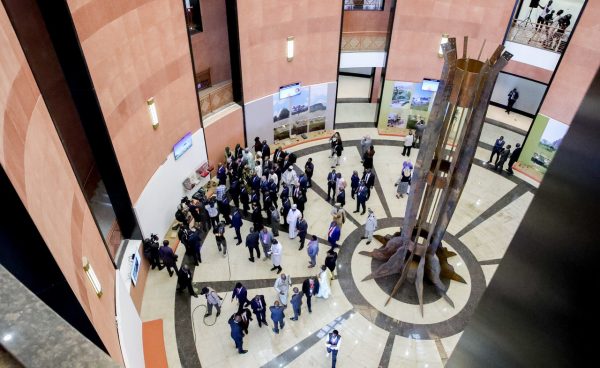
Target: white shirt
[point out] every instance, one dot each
(274, 177)
(408, 141)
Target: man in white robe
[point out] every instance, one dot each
(292, 220)
(282, 287)
(289, 177)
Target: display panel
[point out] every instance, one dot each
(289, 90)
(430, 85)
(182, 146)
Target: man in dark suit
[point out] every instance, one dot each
(255, 184)
(234, 190)
(502, 158)
(286, 206)
(236, 333)
(245, 199)
(296, 301)
(257, 219)
(246, 318)
(259, 307)
(277, 316)
(222, 174)
(184, 279)
(241, 294)
(266, 150)
(299, 199)
(236, 222)
(195, 243)
(369, 179)
(252, 244)
(168, 257)
(514, 156)
(310, 288)
(309, 169)
(361, 197)
(303, 182)
(302, 227)
(331, 184)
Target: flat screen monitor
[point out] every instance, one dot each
(289, 90)
(182, 146)
(430, 85)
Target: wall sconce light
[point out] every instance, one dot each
(153, 113)
(443, 41)
(89, 271)
(290, 48)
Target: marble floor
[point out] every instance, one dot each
(373, 335)
(517, 121)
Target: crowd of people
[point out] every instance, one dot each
(268, 190)
(503, 152)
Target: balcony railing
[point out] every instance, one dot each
(363, 4)
(538, 35)
(215, 97)
(363, 41)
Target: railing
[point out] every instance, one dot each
(215, 97)
(538, 35)
(363, 41)
(363, 4)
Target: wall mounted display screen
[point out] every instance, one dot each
(289, 90)
(135, 267)
(430, 85)
(182, 146)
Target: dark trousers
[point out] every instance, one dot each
(251, 250)
(261, 317)
(302, 239)
(188, 286)
(277, 325)
(275, 228)
(169, 266)
(495, 151)
(499, 165)
(309, 179)
(353, 192)
(510, 165)
(359, 204)
(309, 303)
(417, 142)
(238, 234)
(214, 221)
(330, 190)
(197, 257)
(222, 245)
(246, 208)
(333, 356)
(297, 311)
(510, 105)
(236, 201)
(239, 344)
(155, 262)
(406, 150)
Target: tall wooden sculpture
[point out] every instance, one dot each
(441, 171)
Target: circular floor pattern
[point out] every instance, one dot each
(377, 315)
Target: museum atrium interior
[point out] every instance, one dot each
(455, 230)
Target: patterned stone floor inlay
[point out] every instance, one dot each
(373, 334)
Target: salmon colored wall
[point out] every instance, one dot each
(33, 157)
(577, 68)
(216, 140)
(136, 50)
(528, 71)
(367, 20)
(264, 26)
(211, 47)
(419, 25)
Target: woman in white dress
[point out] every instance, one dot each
(324, 283)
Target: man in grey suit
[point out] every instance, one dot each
(266, 239)
(296, 301)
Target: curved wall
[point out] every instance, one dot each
(33, 157)
(136, 50)
(419, 25)
(264, 26)
(577, 68)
